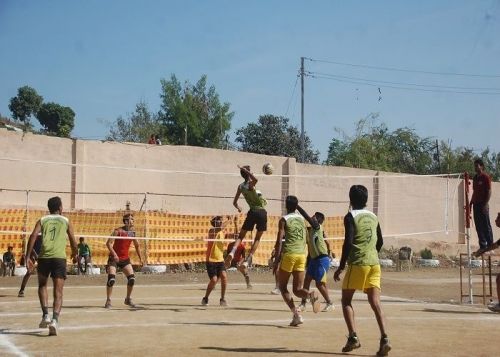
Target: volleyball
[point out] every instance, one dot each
(268, 169)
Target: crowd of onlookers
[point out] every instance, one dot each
(154, 140)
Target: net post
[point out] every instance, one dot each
(446, 207)
(467, 233)
(146, 230)
(25, 224)
(461, 285)
(489, 272)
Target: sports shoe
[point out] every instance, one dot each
(45, 321)
(228, 260)
(223, 302)
(494, 307)
(479, 252)
(351, 344)
(296, 320)
(275, 291)
(21, 293)
(385, 347)
(328, 307)
(128, 301)
(302, 306)
(204, 301)
(53, 328)
(107, 305)
(314, 299)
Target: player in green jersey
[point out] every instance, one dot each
(363, 241)
(55, 229)
(256, 216)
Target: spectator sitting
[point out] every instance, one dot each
(152, 139)
(8, 262)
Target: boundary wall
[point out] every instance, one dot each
(83, 166)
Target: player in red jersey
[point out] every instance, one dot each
(238, 261)
(119, 258)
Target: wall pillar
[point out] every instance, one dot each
(77, 174)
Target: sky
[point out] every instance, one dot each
(102, 57)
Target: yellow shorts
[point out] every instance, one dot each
(293, 262)
(362, 277)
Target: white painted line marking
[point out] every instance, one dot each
(6, 344)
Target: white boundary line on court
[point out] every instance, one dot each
(248, 322)
(10, 347)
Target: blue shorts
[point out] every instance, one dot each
(317, 268)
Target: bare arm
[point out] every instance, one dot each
(253, 180)
(72, 242)
(278, 245)
(109, 244)
(348, 240)
(346, 248)
(138, 250)
(235, 200)
(309, 220)
(380, 239)
(31, 243)
(327, 244)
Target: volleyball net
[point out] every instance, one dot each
(172, 225)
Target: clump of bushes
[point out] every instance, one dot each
(426, 254)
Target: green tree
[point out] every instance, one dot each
(374, 146)
(25, 104)
(272, 135)
(193, 114)
(56, 119)
(136, 127)
(461, 159)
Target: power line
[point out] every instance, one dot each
(293, 93)
(394, 69)
(405, 83)
(400, 87)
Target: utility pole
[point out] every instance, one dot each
(302, 135)
(438, 157)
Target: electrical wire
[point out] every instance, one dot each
(400, 87)
(405, 84)
(293, 93)
(394, 69)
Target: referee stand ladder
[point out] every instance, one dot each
(486, 280)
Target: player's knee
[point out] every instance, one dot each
(131, 280)
(346, 301)
(111, 280)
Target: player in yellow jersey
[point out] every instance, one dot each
(215, 259)
(55, 229)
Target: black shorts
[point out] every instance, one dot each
(55, 267)
(256, 217)
(215, 269)
(120, 264)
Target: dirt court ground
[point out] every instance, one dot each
(421, 307)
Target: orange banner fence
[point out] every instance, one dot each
(165, 238)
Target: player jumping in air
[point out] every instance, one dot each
(256, 216)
